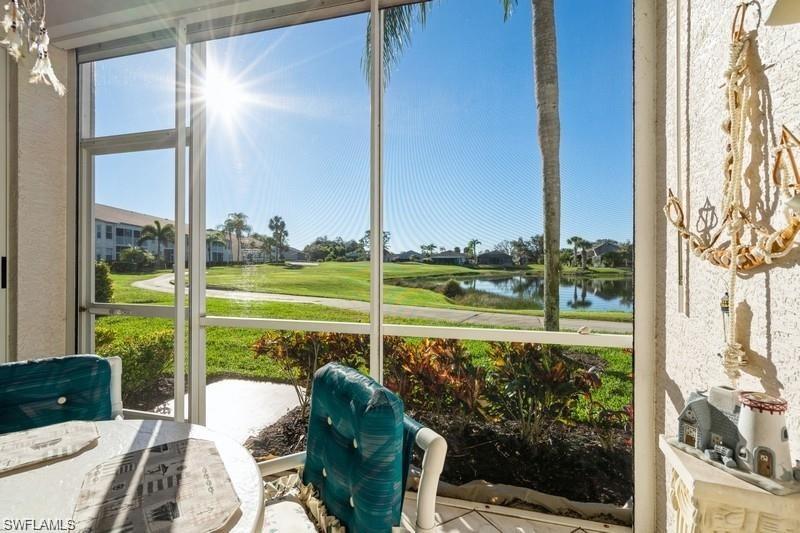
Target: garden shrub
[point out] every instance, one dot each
(531, 385)
(301, 353)
(452, 289)
(134, 259)
(536, 386)
(103, 286)
(435, 375)
(145, 358)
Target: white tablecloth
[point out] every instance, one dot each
(51, 491)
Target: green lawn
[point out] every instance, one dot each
(229, 354)
(351, 281)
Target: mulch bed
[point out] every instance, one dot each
(571, 462)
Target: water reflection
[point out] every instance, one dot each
(596, 294)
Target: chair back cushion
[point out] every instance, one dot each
(41, 392)
(355, 449)
(410, 429)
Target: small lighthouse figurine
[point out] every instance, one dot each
(764, 437)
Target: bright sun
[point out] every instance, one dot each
(225, 96)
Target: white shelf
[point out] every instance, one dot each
(706, 498)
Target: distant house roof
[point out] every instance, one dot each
(605, 247)
(494, 253)
(449, 254)
(408, 254)
(115, 215)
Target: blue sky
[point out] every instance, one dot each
(461, 159)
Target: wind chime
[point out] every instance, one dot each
(26, 31)
(749, 245)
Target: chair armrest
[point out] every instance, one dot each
(435, 448)
(282, 464)
(116, 386)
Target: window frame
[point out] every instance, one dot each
(193, 137)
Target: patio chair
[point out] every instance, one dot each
(358, 454)
(40, 392)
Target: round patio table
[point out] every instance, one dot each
(51, 491)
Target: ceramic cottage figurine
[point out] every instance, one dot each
(744, 432)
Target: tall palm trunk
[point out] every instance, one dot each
(546, 78)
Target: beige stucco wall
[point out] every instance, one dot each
(769, 299)
(38, 209)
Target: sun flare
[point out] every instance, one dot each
(225, 96)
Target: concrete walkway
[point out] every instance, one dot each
(163, 283)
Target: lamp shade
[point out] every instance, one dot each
(784, 12)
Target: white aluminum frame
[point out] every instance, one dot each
(645, 171)
(376, 195)
(180, 219)
(197, 225)
(194, 136)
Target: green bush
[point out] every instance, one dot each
(437, 375)
(145, 358)
(134, 259)
(103, 286)
(452, 289)
(536, 386)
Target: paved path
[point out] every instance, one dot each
(163, 283)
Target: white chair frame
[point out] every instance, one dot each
(116, 386)
(435, 448)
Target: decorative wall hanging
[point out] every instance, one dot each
(748, 244)
(25, 30)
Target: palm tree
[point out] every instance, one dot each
(226, 229)
(236, 224)
(427, 249)
(278, 227)
(269, 244)
(576, 243)
(472, 249)
(156, 232)
(398, 26)
(213, 236)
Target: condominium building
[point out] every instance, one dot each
(117, 229)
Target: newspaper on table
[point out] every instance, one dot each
(176, 487)
(37, 446)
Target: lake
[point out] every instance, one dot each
(585, 294)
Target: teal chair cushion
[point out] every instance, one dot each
(354, 454)
(41, 392)
(410, 429)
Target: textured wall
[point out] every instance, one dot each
(39, 208)
(769, 299)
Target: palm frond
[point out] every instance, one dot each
(508, 8)
(398, 27)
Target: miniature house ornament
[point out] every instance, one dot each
(743, 433)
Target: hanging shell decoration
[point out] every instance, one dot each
(766, 245)
(748, 245)
(23, 18)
